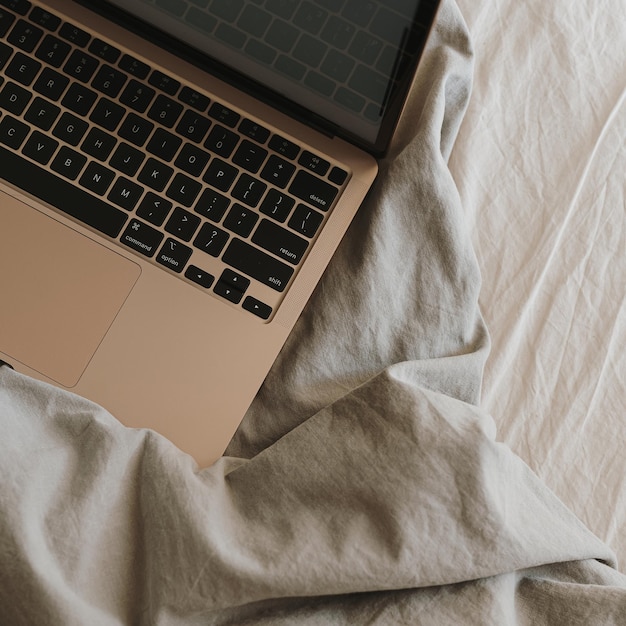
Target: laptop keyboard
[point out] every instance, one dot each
(174, 175)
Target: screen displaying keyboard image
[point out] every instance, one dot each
(342, 59)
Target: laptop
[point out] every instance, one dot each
(175, 176)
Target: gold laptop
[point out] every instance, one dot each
(174, 178)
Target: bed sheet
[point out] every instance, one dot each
(540, 163)
(368, 482)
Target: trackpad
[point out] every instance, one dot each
(59, 292)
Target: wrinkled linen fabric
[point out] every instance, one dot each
(365, 485)
(539, 164)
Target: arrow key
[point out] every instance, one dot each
(199, 276)
(257, 307)
(227, 291)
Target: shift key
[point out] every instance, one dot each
(257, 264)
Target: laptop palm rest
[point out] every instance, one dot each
(60, 292)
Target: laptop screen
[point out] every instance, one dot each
(348, 62)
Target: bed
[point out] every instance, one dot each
(441, 441)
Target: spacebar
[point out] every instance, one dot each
(61, 194)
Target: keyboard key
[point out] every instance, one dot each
(165, 111)
(278, 171)
(337, 32)
(97, 178)
(109, 81)
(137, 96)
(125, 193)
(220, 175)
(79, 99)
(260, 309)
(232, 36)
(104, 51)
(42, 113)
(141, 237)
(53, 51)
(365, 47)
(280, 242)
(211, 239)
(51, 84)
(221, 141)
(193, 126)
(80, 66)
(182, 224)
(25, 36)
(314, 163)
(6, 20)
(260, 52)
(175, 7)
(282, 8)
(98, 144)
(194, 99)
(192, 159)
(305, 220)
(320, 83)
(40, 147)
(240, 220)
(369, 83)
(285, 147)
(154, 209)
(70, 129)
(163, 144)
(107, 114)
(257, 264)
(249, 190)
(337, 176)
(44, 19)
(14, 98)
(155, 174)
(212, 204)
(184, 190)
(289, 67)
(310, 50)
(65, 196)
(22, 7)
(224, 115)
(255, 131)
(68, 162)
(5, 54)
(250, 156)
(134, 66)
(228, 292)
(136, 129)
(164, 82)
(23, 69)
(254, 21)
(199, 276)
(74, 35)
(277, 205)
(310, 17)
(282, 36)
(12, 132)
(313, 190)
(127, 159)
(337, 66)
(174, 255)
(235, 280)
